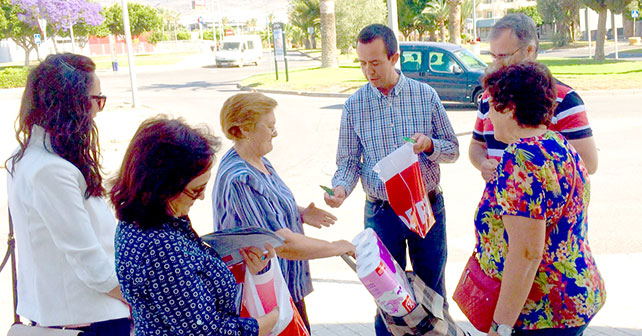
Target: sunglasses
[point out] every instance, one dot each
(100, 100)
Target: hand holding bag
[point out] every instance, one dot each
(263, 292)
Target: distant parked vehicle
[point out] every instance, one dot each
(453, 71)
(240, 50)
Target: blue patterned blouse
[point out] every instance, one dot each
(244, 196)
(176, 284)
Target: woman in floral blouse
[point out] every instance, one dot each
(531, 224)
(175, 284)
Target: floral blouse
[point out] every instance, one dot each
(176, 284)
(535, 179)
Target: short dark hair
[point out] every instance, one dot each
(56, 98)
(527, 87)
(162, 158)
(375, 31)
(521, 25)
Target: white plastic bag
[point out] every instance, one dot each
(263, 292)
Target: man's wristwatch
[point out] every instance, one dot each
(501, 329)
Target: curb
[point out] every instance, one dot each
(620, 92)
(346, 95)
(296, 93)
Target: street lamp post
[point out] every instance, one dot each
(130, 54)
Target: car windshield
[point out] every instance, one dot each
(469, 59)
(231, 46)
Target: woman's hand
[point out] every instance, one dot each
(344, 247)
(255, 258)
(317, 217)
(267, 321)
(492, 333)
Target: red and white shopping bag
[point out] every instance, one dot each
(405, 188)
(263, 292)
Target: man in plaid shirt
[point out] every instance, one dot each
(374, 121)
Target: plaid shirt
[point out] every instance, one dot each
(373, 125)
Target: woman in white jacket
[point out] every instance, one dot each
(64, 229)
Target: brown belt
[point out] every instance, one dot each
(432, 196)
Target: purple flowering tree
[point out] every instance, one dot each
(60, 15)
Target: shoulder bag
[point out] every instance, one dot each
(477, 293)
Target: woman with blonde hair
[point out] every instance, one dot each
(249, 192)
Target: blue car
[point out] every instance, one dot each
(453, 71)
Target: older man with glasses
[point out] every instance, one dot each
(513, 39)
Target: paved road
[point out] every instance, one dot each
(304, 156)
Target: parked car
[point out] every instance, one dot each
(240, 50)
(453, 71)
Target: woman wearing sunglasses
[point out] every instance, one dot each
(64, 229)
(175, 283)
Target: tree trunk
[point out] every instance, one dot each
(53, 39)
(26, 56)
(442, 29)
(454, 21)
(433, 35)
(628, 27)
(328, 35)
(601, 34)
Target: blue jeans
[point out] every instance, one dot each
(576, 331)
(427, 255)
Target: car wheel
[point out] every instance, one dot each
(477, 97)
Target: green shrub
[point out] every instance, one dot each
(11, 77)
(183, 35)
(157, 36)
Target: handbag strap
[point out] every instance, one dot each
(11, 254)
(572, 189)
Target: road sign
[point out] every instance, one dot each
(635, 14)
(37, 38)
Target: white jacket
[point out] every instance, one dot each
(65, 243)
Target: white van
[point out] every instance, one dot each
(240, 50)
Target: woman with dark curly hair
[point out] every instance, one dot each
(64, 229)
(175, 283)
(531, 224)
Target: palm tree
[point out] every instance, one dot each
(305, 14)
(251, 24)
(454, 21)
(439, 10)
(328, 35)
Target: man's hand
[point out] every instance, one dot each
(488, 169)
(317, 217)
(337, 199)
(422, 144)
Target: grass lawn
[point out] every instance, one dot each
(581, 74)
(16, 75)
(346, 78)
(104, 62)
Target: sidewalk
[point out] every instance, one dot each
(620, 315)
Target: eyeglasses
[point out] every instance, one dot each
(194, 194)
(100, 100)
(500, 57)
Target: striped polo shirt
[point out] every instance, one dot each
(244, 196)
(569, 118)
